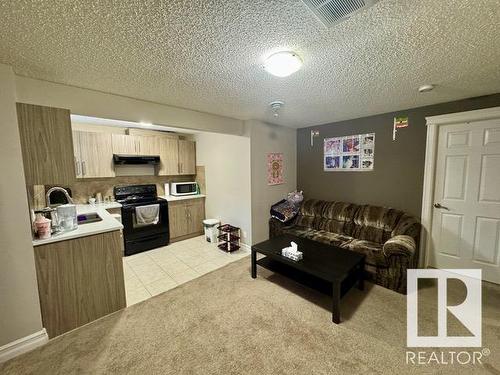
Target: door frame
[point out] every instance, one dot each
(433, 123)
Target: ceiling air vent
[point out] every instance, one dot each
(331, 12)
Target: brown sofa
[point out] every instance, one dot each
(388, 237)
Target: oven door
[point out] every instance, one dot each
(140, 237)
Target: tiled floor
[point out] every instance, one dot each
(156, 271)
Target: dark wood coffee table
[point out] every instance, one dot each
(327, 268)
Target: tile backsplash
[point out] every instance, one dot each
(81, 190)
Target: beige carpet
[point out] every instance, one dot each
(227, 323)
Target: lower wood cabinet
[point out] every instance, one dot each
(79, 280)
(186, 218)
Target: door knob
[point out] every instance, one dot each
(438, 205)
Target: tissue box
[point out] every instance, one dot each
(292, 254)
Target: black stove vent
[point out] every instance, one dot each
(136, 159)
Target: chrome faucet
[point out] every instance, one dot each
(57, 188)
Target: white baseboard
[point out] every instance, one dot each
(246, 247)
(23, 345)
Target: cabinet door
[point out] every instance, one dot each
(96, 154)
(169, 156)
(79, 280)
(77, 153)
(148, 145)
(177, 217)
(125, 144)
(196, 215)
(46, 144)
(187, 157)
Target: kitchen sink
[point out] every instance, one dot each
(90, 217)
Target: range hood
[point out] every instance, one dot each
(136, 159)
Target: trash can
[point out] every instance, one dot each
(211, 231)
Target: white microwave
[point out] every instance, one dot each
(183, 188)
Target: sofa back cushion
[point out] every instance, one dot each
(363, 222)
(374, 223)
(337, 217)
(310, 213)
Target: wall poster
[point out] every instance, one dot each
(349, 153)
(275, 168)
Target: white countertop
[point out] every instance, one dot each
(107, 224)
(171, 198)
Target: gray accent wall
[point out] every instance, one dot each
(397, 178)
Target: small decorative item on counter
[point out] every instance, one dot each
(67, 219)
(42, 225)
(229, 238)
(292, 252)
(98, 198)
(92, 201)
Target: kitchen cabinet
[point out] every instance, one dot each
(187, 157)
(177, 157)
(125, 144)
(186, 218)
(135, 145)
(46, 144)
(79, 280)
(93, 154)
(169, 157)
(148, 145)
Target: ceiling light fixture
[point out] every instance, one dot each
(426, 88)
(282, 64)
(276, 106)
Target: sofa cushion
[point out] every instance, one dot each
(375, 224)
(338, 217)
(310, 213)
(372, 250)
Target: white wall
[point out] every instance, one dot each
(19, 304)
(227, 173)
(266, 138)
(98, 104)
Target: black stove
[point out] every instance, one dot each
(137, 235)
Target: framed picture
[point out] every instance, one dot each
(349, 153)
(275, 168)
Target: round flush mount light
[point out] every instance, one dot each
(426, 88)
(282, 64)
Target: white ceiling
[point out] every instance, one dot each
(207, 55)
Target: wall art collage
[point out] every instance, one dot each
(349, 153)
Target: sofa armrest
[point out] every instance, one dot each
(276, 227)
(400, 245)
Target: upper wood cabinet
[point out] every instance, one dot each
(47, 144)
(177, 157)
(169, 157)
(187, 157)
(125, 144)
(93, 154)
(148, 145)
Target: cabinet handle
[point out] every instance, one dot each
(77, 168)
(84, 169)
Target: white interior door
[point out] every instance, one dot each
(466, 216)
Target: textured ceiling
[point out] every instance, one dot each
(207, 55)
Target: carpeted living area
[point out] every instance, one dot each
(227, 323)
